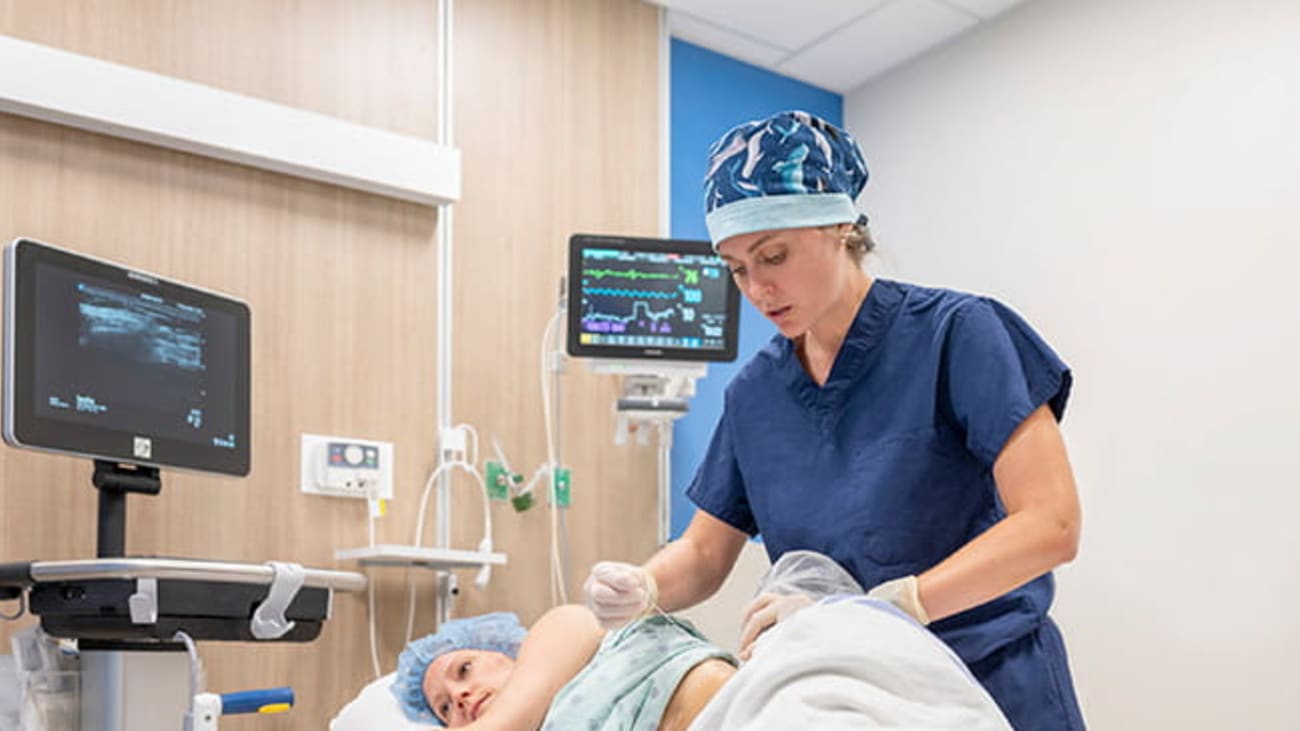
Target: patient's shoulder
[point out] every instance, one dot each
(571, 618)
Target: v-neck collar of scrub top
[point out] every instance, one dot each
(874, 316)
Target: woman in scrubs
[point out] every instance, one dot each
(909, 433)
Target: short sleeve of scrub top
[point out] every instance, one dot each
(725, 499)
(998, 372)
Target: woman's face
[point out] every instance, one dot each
(461, 684)
(792, 275)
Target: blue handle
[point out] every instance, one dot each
(267, 700)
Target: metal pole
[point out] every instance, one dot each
(445, 279)
(665, 480)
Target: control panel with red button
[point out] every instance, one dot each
(347, 467)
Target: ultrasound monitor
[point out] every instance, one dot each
(111, 363)
(650, 299)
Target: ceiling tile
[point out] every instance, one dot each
(883, 39)
(722, 41)
(985, 9)
(785, 24)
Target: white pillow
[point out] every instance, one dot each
(375, 707)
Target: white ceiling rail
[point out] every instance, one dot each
(86, 93)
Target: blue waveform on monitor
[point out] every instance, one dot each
(607, 291)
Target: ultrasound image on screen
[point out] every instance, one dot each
(131, 360)
(653, 299)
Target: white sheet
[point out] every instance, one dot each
(851, 663)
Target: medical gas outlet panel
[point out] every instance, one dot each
(347, 467)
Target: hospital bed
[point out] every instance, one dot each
(847, 662)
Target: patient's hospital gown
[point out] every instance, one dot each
(887, 467)
(628, 684)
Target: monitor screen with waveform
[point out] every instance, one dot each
(658, 299)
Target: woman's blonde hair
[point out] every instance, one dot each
(857, 239)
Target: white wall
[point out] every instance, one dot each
(1126, 173)
(719, 617)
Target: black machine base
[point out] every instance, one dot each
(99, 609)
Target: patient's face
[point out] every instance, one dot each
(461, 684)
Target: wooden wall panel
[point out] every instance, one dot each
(556, 115)
(561, 97)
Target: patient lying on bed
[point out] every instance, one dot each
(845, 662)
(487, 673)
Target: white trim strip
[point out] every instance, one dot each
(86, 93)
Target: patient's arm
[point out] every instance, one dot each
(557, 646)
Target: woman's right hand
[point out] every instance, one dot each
(618, 593)
(764, 612)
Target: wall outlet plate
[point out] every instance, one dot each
(346, 467)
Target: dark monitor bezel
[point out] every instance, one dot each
(575, 348)
(23, 427)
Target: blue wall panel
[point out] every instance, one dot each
(711, 93)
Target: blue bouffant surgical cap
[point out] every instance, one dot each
(790, 170)
(498, 632)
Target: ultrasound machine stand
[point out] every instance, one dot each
(114, 482)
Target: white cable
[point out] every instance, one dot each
(374, 642)
(370, 586)
(562, 556)
(419, 536)
(557, 577)
(539, 474)
(485, 542)
(196, 665)
(472, 455)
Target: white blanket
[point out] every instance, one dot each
(851, 663)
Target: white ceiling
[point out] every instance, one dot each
(834, 44)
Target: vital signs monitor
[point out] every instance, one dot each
(107, 362)
(654, 299)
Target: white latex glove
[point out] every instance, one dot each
(618, 593)
(903, 594)
(764, 612)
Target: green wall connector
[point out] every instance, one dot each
(497, 479)
(562, 487)
(522, 502)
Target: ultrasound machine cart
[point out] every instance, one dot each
(135, 618)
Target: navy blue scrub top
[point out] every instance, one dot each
(887, 468)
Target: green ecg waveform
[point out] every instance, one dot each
(626, 274)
